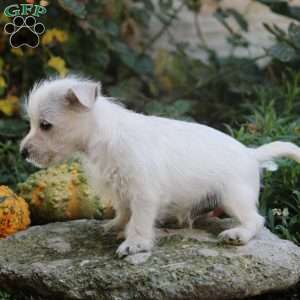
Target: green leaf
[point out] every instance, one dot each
(237, 40)
(141, 64)
(295, 12)
(278, 6)
(183, 106)
(100, 56)
(242, 22)
(120, 47)
(74, 7)
(149, 5)
(141, 16)
(104, 27)
(177, 110)
(129, 59)
(129, 90)
(223, 14)
(273, 2)
(144, 65)
(294, 33)
(13, 128)
(111, 27)
(283, 8)
(165, 4)
(194, 5)
(126, 54)
(283, 52)
(155, 108)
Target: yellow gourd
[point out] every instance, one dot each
(14, 212)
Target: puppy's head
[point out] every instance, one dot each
(60, 113)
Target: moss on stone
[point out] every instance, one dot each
(76, 260)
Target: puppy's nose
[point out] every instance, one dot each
(24, 153)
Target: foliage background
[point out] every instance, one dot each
(109, 40)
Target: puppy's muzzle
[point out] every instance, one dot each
(24, 153)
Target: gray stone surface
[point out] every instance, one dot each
(74, 260)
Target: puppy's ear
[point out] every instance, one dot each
(83, 95)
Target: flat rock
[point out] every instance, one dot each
(75, 260)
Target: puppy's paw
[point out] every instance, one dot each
(112, 226)
(129, 247)
(235, 236)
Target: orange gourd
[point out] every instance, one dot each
(14, 212)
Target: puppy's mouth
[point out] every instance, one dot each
(41, 161)
(36, 160)
(35, 163)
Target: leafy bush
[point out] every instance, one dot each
(287, 47)
(13, 169)
(276, 117)
(109, 41)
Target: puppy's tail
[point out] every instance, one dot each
(269, 152)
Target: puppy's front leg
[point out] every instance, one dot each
(121, 218)
(140, 229)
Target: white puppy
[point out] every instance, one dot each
(149, 167)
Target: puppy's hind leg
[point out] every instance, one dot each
(240, 202)
(140, 229)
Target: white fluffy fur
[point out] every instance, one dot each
(148, 166)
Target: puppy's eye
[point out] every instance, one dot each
(44, 125)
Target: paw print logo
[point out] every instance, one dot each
(24, 32)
